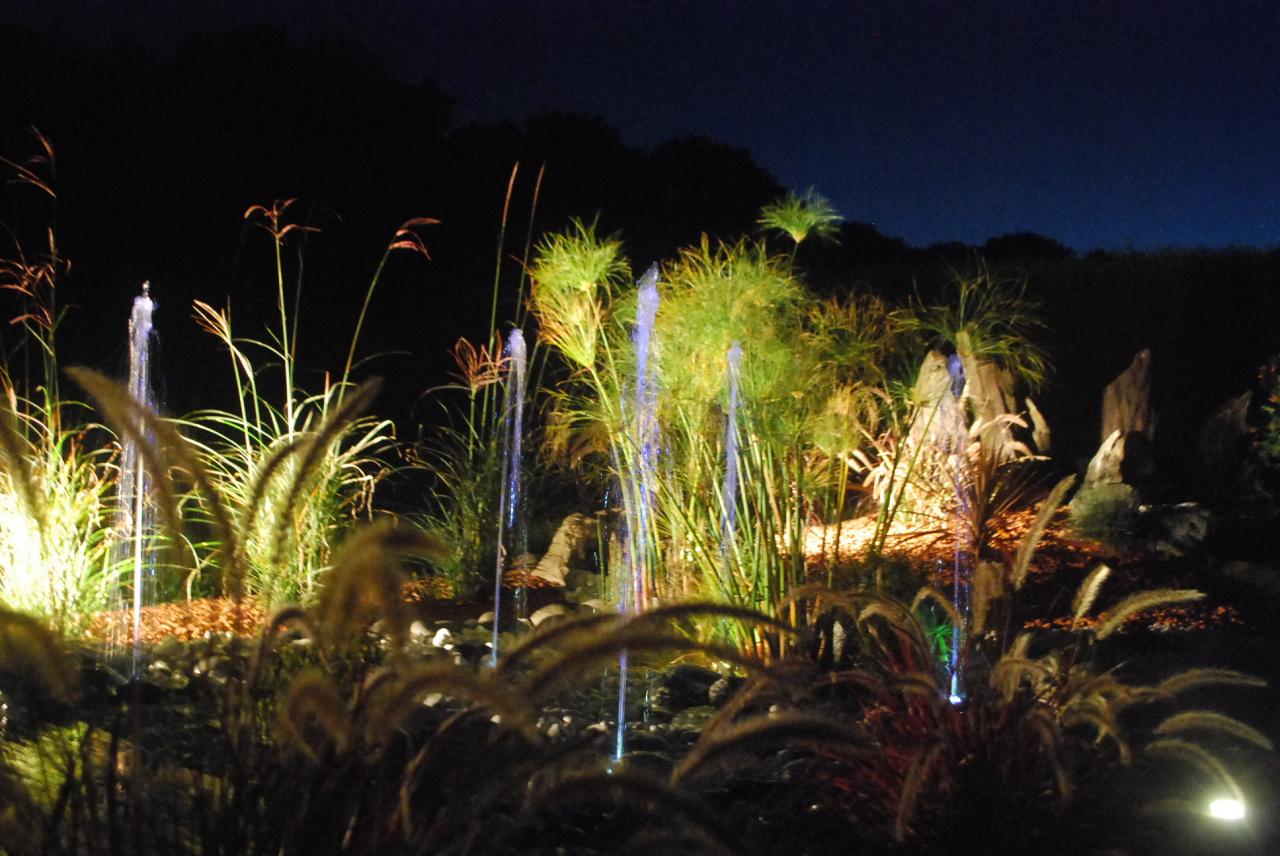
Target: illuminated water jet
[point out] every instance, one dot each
(512, 526)
(957, 438)
(136, 512)
(729, 491)
(639, 503)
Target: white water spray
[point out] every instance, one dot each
(957, 440)
(136, 511)
(729, 491)
(512, 531)
(644, 440)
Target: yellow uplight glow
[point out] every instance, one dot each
(1227, 809)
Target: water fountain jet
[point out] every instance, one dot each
(512, 529)
(136, 512)
(957, 439)
(639, 508)
(729, 490)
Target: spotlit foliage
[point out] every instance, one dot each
(56, 477)
(985, 317)
(802, 217)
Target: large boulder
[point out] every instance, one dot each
(569, 546)
(1126, 455)
(1222, 442)
(1126, 402)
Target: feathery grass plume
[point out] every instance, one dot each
(29, 648)
(314, 717)
(541, 641)
(365, 582)
(1193, 679)
(402, 693)
(1212, 721)
(800, 217)
(1101, 717)
(1031, 541)
(922, 684)
(900, 619)
(1088, 592)
(1141, 602)
(277, 621)
(1010, 673)
(13, 448)
(767, 733)
(350, 408)
(1196, 756)
(986, 589)
(921, 765)
(138, 425)
(589, 654)
(932, 594)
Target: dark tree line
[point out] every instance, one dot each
(158, 160)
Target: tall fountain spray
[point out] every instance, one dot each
(639, 513)
(729, 492)
(957, 437)
(513, 536)
(136, 512)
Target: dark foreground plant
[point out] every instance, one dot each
(328, 736)
(1046, 751)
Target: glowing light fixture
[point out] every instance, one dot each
(1227, 809)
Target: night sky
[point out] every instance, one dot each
(1102, 124)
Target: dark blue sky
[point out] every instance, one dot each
(1106, 123)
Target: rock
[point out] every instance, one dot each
(485, 618)
(1174, 530)
(693, 718)
(989, 389)
(1126, 402)
(441, 638)
(169, 648)
(722, 690)
(595, 604)
(576, 533)
(1264, 578)
(418, 631)
(932, 383)
(684, 686)
(550, 611)
(1222, 441)
(1121, 459)
(1041, 437)
(1105, 466)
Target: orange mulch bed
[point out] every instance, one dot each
(1062, 560)
(186, 620)
(1059, 551)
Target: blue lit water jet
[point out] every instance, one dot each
(644, 443)
(957, 438)
(729, 491)
(512, 529)
(136, 513)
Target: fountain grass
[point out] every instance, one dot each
(294, 507)
(56, 474)
(327, 734)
